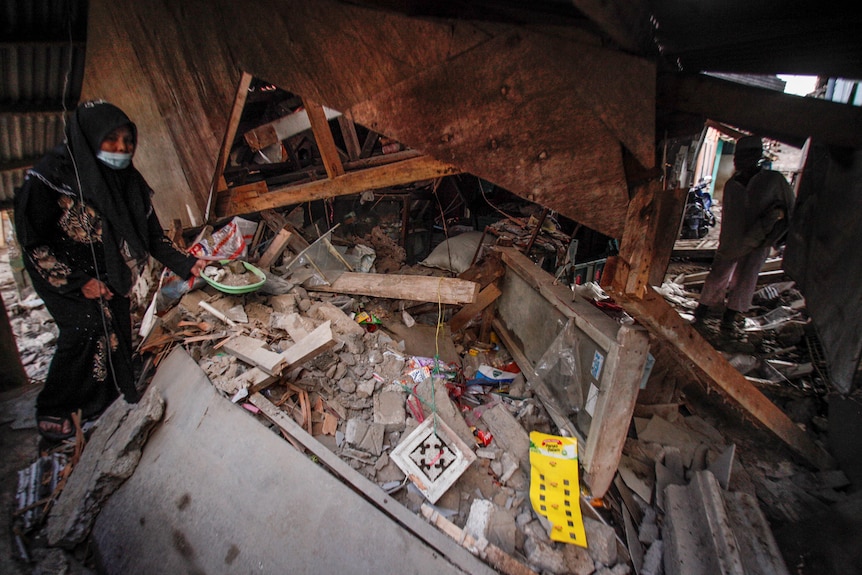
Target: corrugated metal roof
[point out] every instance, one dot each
(40, 74)
(41, 71)
(24, 138)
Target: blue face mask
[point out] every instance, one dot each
(114, 160)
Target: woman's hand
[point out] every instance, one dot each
(94, 289)
(198, 268)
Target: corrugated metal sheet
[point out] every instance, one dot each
(24, 138)
(41, 74)
(41, 71)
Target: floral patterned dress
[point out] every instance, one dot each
(63, 249)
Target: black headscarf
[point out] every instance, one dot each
(121, 197)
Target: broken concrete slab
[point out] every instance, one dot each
(707, 532)
(389, 409)
(487, 520)
(108, 460)
(342, 324)
(601, 541)
(201, 501)
(757, 546)
(508, 432)
(661, 431)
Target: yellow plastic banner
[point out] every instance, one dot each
(554, 489)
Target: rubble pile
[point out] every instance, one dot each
(34, 328)
(367, 378)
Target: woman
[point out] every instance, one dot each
(86, 228)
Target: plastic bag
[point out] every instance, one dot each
(559, 369)
(229, 242)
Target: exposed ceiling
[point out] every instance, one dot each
(42, 51)
(742, 36)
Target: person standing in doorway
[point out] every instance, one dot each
(756, 209)
(87, 227)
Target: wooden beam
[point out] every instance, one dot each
(351, 139)
(652, 226)
(662, 320)
(486, 297)
(408, 171)
(368, 145)
(218, 182)
(414, 288)
(275, 249)
(773, 114)
(323, 138)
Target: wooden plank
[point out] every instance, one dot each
(668, 215)
(485, 298)
(652, 226)
(638, 239)
(501, 560)
(310, 346)
(770, 266)
(490, 269)
(414, 288)
(351, 139)
(277, 222)
(255, 380)
(368, 145)
(218, 184)
(655, 313)
(624, 368)
(324, 139)
(251, 351)
(276, 247)
(243, 193)
(395, 174)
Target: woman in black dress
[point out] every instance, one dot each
(87, 227)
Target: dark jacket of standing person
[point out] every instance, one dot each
(86, 227)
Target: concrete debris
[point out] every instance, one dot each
(708, 531)
(111, 456)
(363, 389)
(602, 540)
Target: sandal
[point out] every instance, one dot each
(55, 428)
